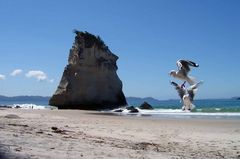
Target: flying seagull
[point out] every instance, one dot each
(183, 70)
(186, 95)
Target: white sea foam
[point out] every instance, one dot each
(30, 106)
(180, 112)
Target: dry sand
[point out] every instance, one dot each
(73, 134)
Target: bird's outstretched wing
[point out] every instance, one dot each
(184, 65)
(193, 64)
(191, 94)
(181, 91)
(174, 84)
(191, 91)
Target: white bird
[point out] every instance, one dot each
(186, 95)
(183, 70)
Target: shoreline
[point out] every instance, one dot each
(156, 113)
(92, 134)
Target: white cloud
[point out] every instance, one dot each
(39, 75)
(2, 77)
(16, 72)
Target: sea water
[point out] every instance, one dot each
(204, 108)
(204, 105)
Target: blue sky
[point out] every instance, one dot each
(149, 36)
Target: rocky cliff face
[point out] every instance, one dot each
(89, 80)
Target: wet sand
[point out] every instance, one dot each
(82, 134)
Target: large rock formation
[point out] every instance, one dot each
(89, 80)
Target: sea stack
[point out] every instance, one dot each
(90, 80)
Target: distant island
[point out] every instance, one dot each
(24, 98)
(136, 101)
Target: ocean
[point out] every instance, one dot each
(205, 105)
(216, 108)
(204, 108)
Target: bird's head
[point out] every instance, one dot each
(172, 73)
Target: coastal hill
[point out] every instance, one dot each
(24, 98)
(136, 101)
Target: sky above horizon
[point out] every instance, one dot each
(149, 36)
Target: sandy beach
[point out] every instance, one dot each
(70, 134)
